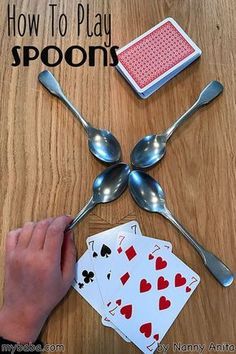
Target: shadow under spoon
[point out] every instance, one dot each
(150, 149)
(102, 143)
(149, 195)
(107, 186)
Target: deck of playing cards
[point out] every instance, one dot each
(135, 283)
(156, 56)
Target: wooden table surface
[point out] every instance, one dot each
(47, 170)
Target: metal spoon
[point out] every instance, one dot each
(149, 150)
(149, 195)
(102, 143)
(107, 186)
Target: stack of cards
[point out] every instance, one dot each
(135, 283)
(156, 56)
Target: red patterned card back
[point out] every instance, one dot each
(154, 54)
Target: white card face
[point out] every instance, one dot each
(85, 283)
(102, 250)
(129, 251)
(158, 289)
(127, 256)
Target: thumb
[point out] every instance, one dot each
(68, 257)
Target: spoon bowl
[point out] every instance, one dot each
(107, 186)
(148, 151)
(102, 143)
(150, 196)
(147, 193)
(111, 183)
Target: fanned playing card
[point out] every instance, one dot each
(156, 56)
(158, 289)
(127, 255)
(103, 249)
(85, 283)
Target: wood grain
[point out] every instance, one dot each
(47, 170)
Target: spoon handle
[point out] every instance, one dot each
(208, 94)
(52, 85)
(218, 269)
(86, 209)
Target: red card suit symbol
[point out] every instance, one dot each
(124, 278)
(188, 289)
(146, 329)
(156, 337)
(130, 253)
(144, 286)
(160, 263)
(119, 250)
(164, 303)
(162, 283)
(150, 257)
(118, 302)
(126, 311)
(179, 280)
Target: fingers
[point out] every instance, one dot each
(12, 239)
(55, 236)
(25, 235)
(68, 258)
(39, 234)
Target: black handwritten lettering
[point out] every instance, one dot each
(94, 25)
(21, 24)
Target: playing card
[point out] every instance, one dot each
(86, 285)
(102, 250)
(145, 309)
(156, 56)
(129, 250)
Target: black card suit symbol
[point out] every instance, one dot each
(109, 275)
(81, 285)
(88, 276)
(95, 254)
(105, 251)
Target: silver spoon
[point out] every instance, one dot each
(149, 150)
(102, 143)
(107, 186)
(149, 195)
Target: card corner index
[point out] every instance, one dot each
(89, 241)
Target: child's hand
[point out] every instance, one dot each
(39, 271)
